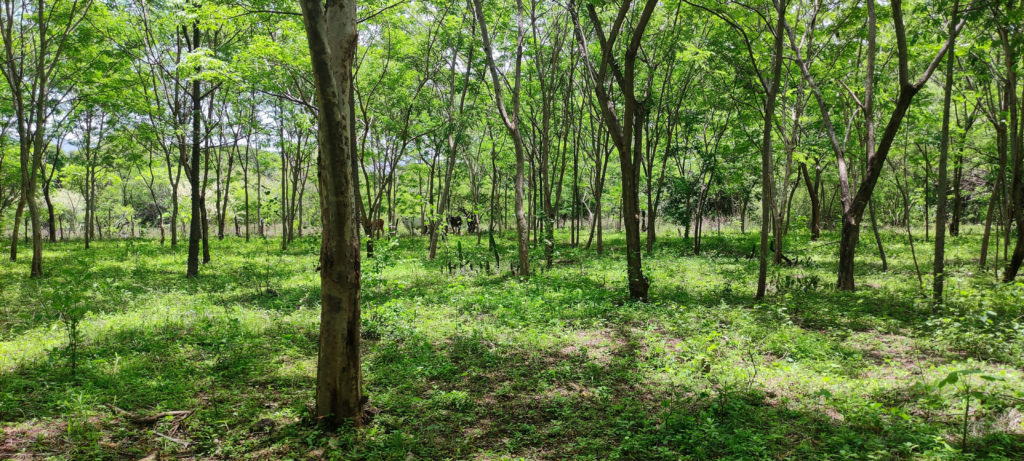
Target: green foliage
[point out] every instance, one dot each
(470, 362)
(680, 206)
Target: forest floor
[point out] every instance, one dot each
(460, 363)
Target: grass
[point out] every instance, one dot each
(460, 362)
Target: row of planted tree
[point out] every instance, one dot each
(120, 117)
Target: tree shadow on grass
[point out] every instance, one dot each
(219, 366)
(112, 276)
(465, 394)
(472, 395)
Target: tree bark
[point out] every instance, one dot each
(938, 264)
(854, 205)
(18, 213)
(627, 132)
(512, 125)
(812, 194)
(195, 233)
(1008, 35)
(768, 214)
(332, 41)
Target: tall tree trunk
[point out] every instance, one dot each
(939, 263)
(927, 192)
(245, 186)
(1009, 35)
(51, 215)
(174, 215)
(332, 39)
(958, 201)
(627, 132)
(994, 200)
(195, 232)
(767, 173)
(202, 197)
(284, 181)
(511, 121)
(442, 203)
(223, 208)
(878, 236)
(854, 205)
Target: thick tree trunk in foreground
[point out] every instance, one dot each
(339, 396)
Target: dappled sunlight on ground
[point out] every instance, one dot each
(461, 363)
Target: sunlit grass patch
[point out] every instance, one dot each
(462, 360)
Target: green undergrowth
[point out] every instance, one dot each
(464, 360)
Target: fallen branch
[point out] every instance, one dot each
(183, 443)
(178, 415)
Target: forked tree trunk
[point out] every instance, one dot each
(627, 131)
(812, 194)
(511, 121)
(854, 205)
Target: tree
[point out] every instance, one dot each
(938, 266)
(332, 35)
(511, 120)
(627, 132)
(33, 51)
(1009, 38)
(854, 204)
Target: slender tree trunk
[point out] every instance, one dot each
(958, 202)
(442, 202)
(743, 216)
(938, 264)
(812, 195)
(18, 212)
(51, 215)
(259, 196)
(245, 180)
(202, 196)
(223, 208)
(512, 124)
(174, 216)
(927, 193)
(767, 173)
(1016, 193)
(878, 236)
(195, 232)
(284, 181)
(994, 200)
(36, 269)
